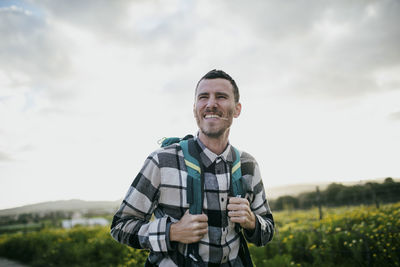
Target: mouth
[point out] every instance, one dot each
(212, 116)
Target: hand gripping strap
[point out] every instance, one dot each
(194, 191)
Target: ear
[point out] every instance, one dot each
(194, 110)
(238, 109)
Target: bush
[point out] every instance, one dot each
(356, 236)
(81, 246)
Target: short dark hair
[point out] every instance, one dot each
(215, 74)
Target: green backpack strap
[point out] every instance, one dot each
(195, 187)
(195, 178)
(194, 191)
(172, 140)
(169, 141)
(236, 176)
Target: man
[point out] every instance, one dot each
(176, 237)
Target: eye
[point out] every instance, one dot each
(202, 96)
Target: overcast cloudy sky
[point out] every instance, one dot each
(88, 87)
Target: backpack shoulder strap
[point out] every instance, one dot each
(166, 141)
(194, 191)
(236, 175)
(195, 178)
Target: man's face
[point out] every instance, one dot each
(215, 107)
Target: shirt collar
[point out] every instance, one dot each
(208, 157)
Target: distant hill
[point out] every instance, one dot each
(83, 206)
(64, 205)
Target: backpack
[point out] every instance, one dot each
(195, 179)
(195, 190)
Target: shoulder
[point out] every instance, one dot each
(246, 157)
(248, 163)
(167, 156)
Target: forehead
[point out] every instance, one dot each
(217, 85)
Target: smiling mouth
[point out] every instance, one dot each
(211, 116)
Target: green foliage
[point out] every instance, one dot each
(357, 236)
(80, 246)
(286, 202)
(338, 195)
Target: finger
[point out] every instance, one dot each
(186, 212)
(238, 213)
(233, 207)
(202, 232)
(238, 207)
(200, 226)
(240, 220)
(238, 200)
(201, 218)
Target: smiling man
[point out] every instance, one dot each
(206, 223)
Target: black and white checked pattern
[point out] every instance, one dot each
(160, 189)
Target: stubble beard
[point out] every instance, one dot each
(215, 134)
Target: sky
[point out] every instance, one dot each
(87, 88)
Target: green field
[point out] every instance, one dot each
(346, 236)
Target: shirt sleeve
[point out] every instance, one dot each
(265, 226)
(133, 224)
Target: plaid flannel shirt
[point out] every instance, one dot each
(160, 189)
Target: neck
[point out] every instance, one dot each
(217, 145)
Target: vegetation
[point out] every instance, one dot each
(80, 246)
(338, 195)
(355, 236)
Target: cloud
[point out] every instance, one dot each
(394, 116)
(329, 48)
(5, 157)
(102, 18)
(104, 80)
(31, 52)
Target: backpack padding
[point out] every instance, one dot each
(195, 183)
(236, 176)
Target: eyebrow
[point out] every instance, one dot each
(201, 94)
(217, 94)
(222, 93)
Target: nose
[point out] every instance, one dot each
(212, 102)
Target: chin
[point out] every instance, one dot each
(213, 133)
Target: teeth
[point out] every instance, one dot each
(211, 116)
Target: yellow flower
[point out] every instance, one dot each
(313, 247)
